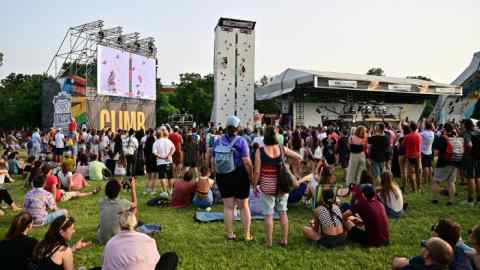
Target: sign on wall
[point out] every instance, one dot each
(62, 110)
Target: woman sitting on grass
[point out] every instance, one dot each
(475, 241)
(82, 165)
(4, 194)
(390, 195)
(326, 228)
(53, 251)
(16, 248)
(203, 194)
(130, 249)
(71, 182)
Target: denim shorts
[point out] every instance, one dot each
(271, 202)
(54, 215)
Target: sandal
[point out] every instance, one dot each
(248, 238)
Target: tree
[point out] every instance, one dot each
(194, 95)
(163, 106)
(20, 104)
(420, 77)
(1, 59)
(265, 80)
(376, 71)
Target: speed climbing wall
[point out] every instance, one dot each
(234, 70)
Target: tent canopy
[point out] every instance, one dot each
(286, 82)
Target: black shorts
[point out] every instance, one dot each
(58, 151)
(427, 161)
(235, 184)
(328, 241)
(412, 161)
(358, 236)
(165, 171)
(151, 166)
(471, 168)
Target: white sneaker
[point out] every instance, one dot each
(164, 195)
(208, 209)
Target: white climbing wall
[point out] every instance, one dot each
(234, 63)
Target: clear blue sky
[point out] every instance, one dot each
(435, 38)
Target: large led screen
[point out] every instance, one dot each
(143, 77)
(124, 74)
(112, 72)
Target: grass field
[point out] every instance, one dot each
(202, 246)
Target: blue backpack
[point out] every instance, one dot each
(224, 161)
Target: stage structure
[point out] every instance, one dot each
(461, 107)
(110, 76)
(311, 98)
(234, 71)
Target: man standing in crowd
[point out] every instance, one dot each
(471, 160)
(412, 144)
(177, 141)
(427, 154)
(378, 150)
(36, 143)
(59, 146)
(163, 149)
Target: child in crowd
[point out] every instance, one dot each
(203, 194)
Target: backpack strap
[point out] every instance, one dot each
(233, 141)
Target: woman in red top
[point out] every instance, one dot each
(267, 163)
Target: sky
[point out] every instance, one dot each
(433, 38)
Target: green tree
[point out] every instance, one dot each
(194, 95)
(420, 77)
(1, 59)
(376, 71)
(20, 104)
(163, 106)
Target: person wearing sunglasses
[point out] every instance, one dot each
(435, 254)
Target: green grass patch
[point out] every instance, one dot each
(202, 246)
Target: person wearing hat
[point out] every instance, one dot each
(233, 180)
(435, 254)
(367, 221)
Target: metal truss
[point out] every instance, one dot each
(77, 52)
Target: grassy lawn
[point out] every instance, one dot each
(202, 246)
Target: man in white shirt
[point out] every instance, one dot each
(163, 149)
(59, 146)
(428, 136)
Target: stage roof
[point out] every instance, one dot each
(288, 80)
(470, 77)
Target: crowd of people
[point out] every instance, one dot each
(268, 166)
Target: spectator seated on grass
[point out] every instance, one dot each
(366, 221)
(69, 181)
(448, 230)
(390, 195)
(475, 241)
(183, 191)
(69, 162)
(435, 254)
(97, 169)
(14, 166)
(38, 202)
(203, 193)
(4, 194)
(82, 165)
(134, 250)
(52, 185)
(326, 228)
(53, 252)
(110, 206)
(17, 247)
